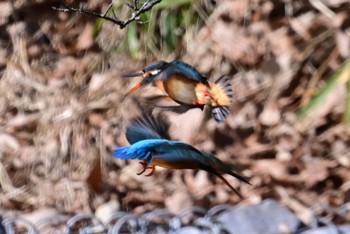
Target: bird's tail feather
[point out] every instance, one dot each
(226, 168)
(241, 178)
(222, 98)
(229, 185)
(218, 168)
(219, 173)
(220, 113)
(225, 84)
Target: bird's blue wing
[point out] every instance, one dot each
(130, 153)
(177, 151)
(189, 71)
(123, 153)
(180, 68)
(147, 127)
(142, 150)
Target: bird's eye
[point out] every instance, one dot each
(155, 72)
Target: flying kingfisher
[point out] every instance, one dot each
(186, 86)
(151, 143)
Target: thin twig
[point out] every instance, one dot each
(322, 8)
(81, 11)
(146, 6)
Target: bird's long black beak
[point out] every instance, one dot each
(139, 74)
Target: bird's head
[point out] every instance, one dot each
(150, 71)
(155, 69)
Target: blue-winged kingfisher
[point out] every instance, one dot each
(151, 143)
(186, 86)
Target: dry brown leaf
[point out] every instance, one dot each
(270, 167)
(180, 200)
(334, 3)
(105, 211)
(302, 23)
(21, 121)
(201, 180)
(97, 81)
(40, 214)
(341, 152)
(232, 42)
(343, 43)
(94, 179)
(8, 142)
(85, 40)
(5, 12)
(316, 171)
(270, 115)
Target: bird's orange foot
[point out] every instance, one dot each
(152, 171)
(145, 167)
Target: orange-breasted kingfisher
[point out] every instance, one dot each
(150, 143)
(186, 86)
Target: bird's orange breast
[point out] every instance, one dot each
(186, 91)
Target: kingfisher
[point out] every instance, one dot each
(186, 86)
(151, 144)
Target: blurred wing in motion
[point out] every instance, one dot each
(147, 127)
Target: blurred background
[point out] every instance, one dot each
(62, 110)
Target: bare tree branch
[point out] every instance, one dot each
(135, 16)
